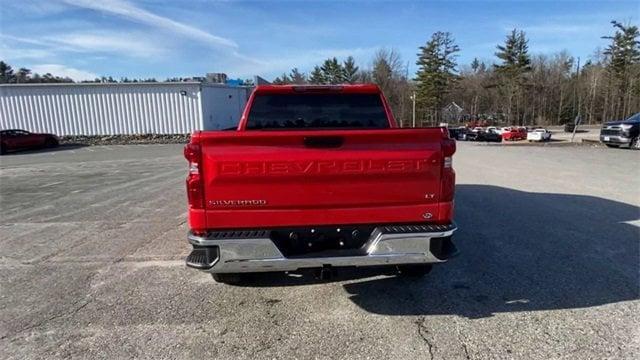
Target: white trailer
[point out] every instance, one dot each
(120, 108)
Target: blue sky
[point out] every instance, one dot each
(163, 38)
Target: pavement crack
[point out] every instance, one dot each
(423, 333)
(466, 351)
(75, 309)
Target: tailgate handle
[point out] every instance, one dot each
(323, 141)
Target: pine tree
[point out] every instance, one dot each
(475, 64)
(332, 71)
(623, 67)
(512, 72)
(350, 71)
(317, 76)
(297, 77)
(6, 73)
(436, 73)
(282, 80)
(514, 55)
(23, 75)
(624, 49)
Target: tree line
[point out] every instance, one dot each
(24, 75)
(516, 88)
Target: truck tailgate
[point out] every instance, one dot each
(329, 177)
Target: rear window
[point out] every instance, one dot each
(317, 111)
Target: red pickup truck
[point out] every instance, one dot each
(319, 177)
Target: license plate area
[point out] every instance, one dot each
(607, 138)
(322, 241)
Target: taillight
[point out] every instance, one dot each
(195, 188)
(192, 153)
(448, 147)
(448, 180)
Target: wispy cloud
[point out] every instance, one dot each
(128, 10)
(13, 53)
(303, 60)
(64, 71)
(137, 45)
(17, 48)
(557, 29)
(124, 44)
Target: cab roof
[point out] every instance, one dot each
(295, 89)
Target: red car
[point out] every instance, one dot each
(319, 177)
(514, 134)
(21, 139)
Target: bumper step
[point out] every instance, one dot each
(203, 257)
(427, 228)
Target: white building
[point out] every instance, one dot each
(120, 108)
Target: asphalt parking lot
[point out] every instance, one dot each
(92, 241)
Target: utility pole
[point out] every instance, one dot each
(576, 93)
(413, 113)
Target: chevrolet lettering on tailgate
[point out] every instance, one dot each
(267, 168)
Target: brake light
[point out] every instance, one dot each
(195, 189)
(192, 153)
(311, 88)
(448, 180)
(448, 147)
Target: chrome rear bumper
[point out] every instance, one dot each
(254, 251)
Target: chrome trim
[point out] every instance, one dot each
(616, 139)
(260, 254)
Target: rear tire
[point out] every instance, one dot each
(414, 270)
(230, 279)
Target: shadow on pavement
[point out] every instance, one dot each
(521, 251)
(62, 147)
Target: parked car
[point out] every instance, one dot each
(455, 133)
(539, 135)
(622, 133)
(14, 139)
(471, 135)
(463, 134)
(514, 134)
(302, 195)
(489, 136)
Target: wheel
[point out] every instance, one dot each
(612, 146)
(227, 278)
(50, 143)
(3, 150)
(635, 144)
(414, 270)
